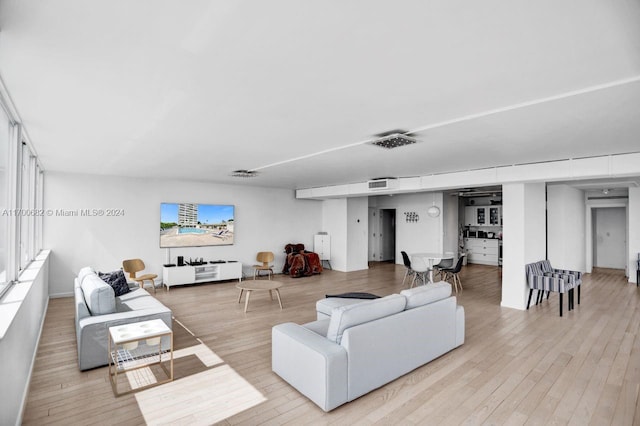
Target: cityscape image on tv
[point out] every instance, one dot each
(195, 225)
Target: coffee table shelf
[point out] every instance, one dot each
(136, 346)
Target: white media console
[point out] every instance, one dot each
(208, 272)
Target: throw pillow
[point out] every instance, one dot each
(117, 280)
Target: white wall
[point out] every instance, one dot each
(357, 227)
(634, 232)
(265, 220)
(375, 242)
(426, 235)
(334, 222)
(523, 213)
(19, 343)
(347, 222)
(450, 224)
(566, 243)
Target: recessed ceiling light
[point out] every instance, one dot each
(244, 173)
(395, 140)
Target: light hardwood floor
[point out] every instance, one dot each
(516, 367)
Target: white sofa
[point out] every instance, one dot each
(366, 344)
(97, 309)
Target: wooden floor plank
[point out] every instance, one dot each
(515, 367)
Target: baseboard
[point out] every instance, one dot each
(59, 295)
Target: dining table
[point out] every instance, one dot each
(433, 259)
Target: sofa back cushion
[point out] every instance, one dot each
(348, 316)
(98, 295)
(84, 272)
(425, 294)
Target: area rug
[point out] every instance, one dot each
(205, 389)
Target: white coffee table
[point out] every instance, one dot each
(138, 345)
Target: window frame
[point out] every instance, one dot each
(24, 198)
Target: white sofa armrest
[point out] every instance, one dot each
(309, 362)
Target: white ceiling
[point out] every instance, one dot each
(294, 90)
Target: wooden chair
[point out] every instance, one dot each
(133, 266)
(265, 257)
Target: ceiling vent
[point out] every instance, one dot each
(244, 173)
(394, 140)
(383, 183)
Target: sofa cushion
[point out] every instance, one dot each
(320, 327)
(137, 300)
(98, 295)
(86, 271)
(117, 280)
(326, 306)
(348, 316)
(426, 294)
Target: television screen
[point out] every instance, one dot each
(195, 225)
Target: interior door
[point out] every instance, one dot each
(388, 235)
(610, 234)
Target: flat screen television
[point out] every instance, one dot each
(196, 225)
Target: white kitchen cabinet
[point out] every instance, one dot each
(483, 216)
(481, 250)
(494, 216)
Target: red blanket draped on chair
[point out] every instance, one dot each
(301, 263)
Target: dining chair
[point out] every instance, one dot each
(446, 262)
(407, 263)
(420, 269)
(453, 273)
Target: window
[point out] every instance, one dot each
(21, 197)
(27, 206)
(5, 137)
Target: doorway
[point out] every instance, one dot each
(382, 235)
(609, 237)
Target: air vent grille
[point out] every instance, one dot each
(386, 183)
(377, 184)
(244, 173)
(395, 140)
